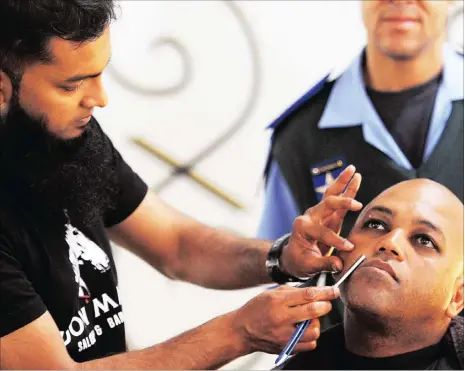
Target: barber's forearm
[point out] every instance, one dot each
(209, 346)
(184, 249)
(218, 259)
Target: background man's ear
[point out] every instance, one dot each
(6, 91)
(456, 303)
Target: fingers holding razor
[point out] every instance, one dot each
(341, 182)
(309, 339)
(332, 204)
(268, 321)
(335, 220)
(318, 229)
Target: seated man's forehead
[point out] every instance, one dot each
(423, 193)
(424, 200)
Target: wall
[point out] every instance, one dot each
(185, 73)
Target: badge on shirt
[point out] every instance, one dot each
(325, 173)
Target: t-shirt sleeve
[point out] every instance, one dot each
(19, 302)
(131, 191)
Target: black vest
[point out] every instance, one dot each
(298, 145)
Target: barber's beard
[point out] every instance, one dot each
(45, 176)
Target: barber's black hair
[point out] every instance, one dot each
(26, 27)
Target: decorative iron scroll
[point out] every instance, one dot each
(187, 168)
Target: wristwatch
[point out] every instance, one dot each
(272, 262)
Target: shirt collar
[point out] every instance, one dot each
(453, 73)
(349, 109)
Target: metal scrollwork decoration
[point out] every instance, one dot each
(187, 168)
(178, 85)
(175, 88)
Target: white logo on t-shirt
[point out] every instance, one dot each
(81, 250)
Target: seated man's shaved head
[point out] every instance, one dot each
(416, 227)
(415, 231)
(403, 297)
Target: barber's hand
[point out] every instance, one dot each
(267, 322)
(315, 232)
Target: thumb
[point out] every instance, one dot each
(325, 263)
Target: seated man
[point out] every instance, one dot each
(401, 304)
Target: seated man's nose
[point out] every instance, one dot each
(393, 244)
(390, 250)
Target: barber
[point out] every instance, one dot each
(65, 191)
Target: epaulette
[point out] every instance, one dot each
(299, 103)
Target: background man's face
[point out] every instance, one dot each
(64, 93)
(418, 231)
(402, 29)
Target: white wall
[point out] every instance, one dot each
(298, 42)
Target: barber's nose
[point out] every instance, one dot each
(102, 98)
(97, 97)
(393, 245)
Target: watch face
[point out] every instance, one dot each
(272, 263)
(455, 27)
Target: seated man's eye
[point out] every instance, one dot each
(374, 224)
(425, 241)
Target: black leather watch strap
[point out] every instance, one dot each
(272, 262)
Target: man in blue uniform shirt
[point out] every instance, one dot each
(401, 60)
(396, 113)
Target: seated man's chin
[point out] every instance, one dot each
(375, 293)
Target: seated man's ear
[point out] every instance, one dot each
(456, 303)
(6, 91)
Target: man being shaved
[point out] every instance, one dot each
(401, 304)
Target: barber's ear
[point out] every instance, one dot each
(6, 91)
(456, 303)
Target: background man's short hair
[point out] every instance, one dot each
(26, 27)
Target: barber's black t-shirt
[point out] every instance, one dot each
(407, 116)
(69, 271)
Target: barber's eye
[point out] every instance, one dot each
(426, 241)
(374, 224)
(70, 89)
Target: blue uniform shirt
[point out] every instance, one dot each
(349, 105)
